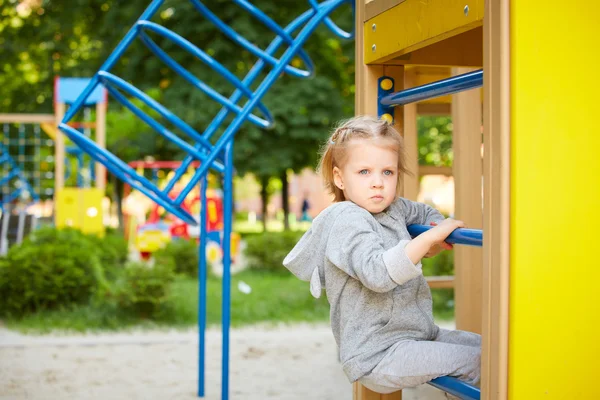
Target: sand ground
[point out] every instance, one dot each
(286, 363)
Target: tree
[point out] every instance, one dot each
(41, 39)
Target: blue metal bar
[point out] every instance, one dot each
(324, 11)
(339, 32)
(125, 173)
(111, 60)
(186, 45)
(469, 237)
(109, 79)
(226, 290)
(242, 41)
(202, 276)
(444, 87)
(237, 95)
(457, 388)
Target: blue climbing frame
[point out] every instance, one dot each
(14, 172)
(217, 156)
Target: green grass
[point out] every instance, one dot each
(275, 298)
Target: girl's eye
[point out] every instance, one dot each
(388, 172)
(363, 171)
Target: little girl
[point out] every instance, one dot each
(360, 252)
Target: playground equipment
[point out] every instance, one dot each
(79, 206)
(160, 226)
(217, 156)
(517, 291)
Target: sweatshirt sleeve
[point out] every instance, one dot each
(356, 248)
(419, 213)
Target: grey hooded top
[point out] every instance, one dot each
(377, 296)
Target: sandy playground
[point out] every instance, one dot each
(285, 363)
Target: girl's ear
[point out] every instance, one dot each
(337, 178)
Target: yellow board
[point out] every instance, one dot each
(554, 340)
(79, 208)
(414, 24)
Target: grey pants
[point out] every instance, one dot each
(410, 363)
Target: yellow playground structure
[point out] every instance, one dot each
(529, 290)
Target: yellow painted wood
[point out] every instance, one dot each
(555, 198)
(414, 24)
(79, 208)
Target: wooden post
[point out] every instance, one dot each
(411, 183)
(366, 104)
(101, 141)
(59, 150)
(466, 119)
(496, 188)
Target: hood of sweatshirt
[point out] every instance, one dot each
(307, 259)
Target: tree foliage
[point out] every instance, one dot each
(42, 39)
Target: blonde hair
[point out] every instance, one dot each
(334, 152)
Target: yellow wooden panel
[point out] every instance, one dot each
(414, 24)
(555, 197)
(79, 208)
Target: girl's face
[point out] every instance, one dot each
(370, 175)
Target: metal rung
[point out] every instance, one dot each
(444, 87)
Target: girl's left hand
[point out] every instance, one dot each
(437, 249)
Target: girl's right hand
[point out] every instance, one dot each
(438, 234)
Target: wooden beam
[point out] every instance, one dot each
(415, 24)
(366, 104)
(433, 109)
(27, 118)
(440, 282)
(411, 148)
(466, 119)
(433, 170)
(448, 52)
(496, 208)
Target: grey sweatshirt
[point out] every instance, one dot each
(377, 296)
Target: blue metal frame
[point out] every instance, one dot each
(444, 87)
(469, 237)
(209, 155)
(218, 156)
(381, 93)
(14, 172)
(457, 388)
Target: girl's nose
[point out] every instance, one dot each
(377, 182)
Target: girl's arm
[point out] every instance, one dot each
(356, 248)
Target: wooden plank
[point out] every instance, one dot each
(433, 170)
(440, 282)
(59, 150)
(415, 24)
(433, 109)
(448, 52)
(466, 119)
(27, 118)
(101, 141)
(366, 104)
(411, 150)
(496, 209)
